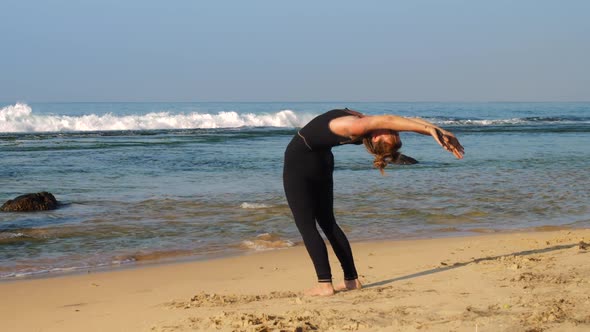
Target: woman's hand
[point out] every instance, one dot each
(448, 141)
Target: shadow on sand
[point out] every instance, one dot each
(477, 260)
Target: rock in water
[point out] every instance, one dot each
(402, 159)
(31, 202)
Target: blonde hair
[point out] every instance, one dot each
(384, 152)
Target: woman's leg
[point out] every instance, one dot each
(302, 198)
(337, 238)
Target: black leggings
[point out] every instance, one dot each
(307, 178)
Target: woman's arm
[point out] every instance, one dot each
(447, 136)
(450, 142)
(422, 121)
(397, 123)
(354, 127)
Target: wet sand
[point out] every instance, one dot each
(533, 282)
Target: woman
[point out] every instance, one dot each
(307, 178)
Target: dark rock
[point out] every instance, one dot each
(402, 159)
(31, 202)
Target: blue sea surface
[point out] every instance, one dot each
(143, 182)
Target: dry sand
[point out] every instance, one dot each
(536, 281)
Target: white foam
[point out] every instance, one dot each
(483, 122)
(20, 118)
(267, 241)
(254, 206)
(11, 235)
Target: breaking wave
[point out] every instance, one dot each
(20, 118)
(512, 121)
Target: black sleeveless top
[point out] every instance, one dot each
(317, 134)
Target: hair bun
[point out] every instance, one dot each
(384, 153)
(380, 162)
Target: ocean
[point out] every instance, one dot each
(158, 182)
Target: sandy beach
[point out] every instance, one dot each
(534, 281)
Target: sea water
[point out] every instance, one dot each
(147, 182)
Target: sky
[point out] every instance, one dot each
(193, 50)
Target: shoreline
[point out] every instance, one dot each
(533, 281)
(188, 258)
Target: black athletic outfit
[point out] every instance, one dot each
(307, 178)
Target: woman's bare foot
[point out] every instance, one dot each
(321, 289)
(348, 285)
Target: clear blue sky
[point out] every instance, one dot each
(191, 50)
